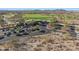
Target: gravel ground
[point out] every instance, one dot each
(54, 41)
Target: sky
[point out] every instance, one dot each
(69, 9)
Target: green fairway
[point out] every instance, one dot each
(48, 17)
(38, 17)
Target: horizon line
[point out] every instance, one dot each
(69, 9)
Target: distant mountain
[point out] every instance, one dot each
(35, 11)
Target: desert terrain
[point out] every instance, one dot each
(62, 40)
